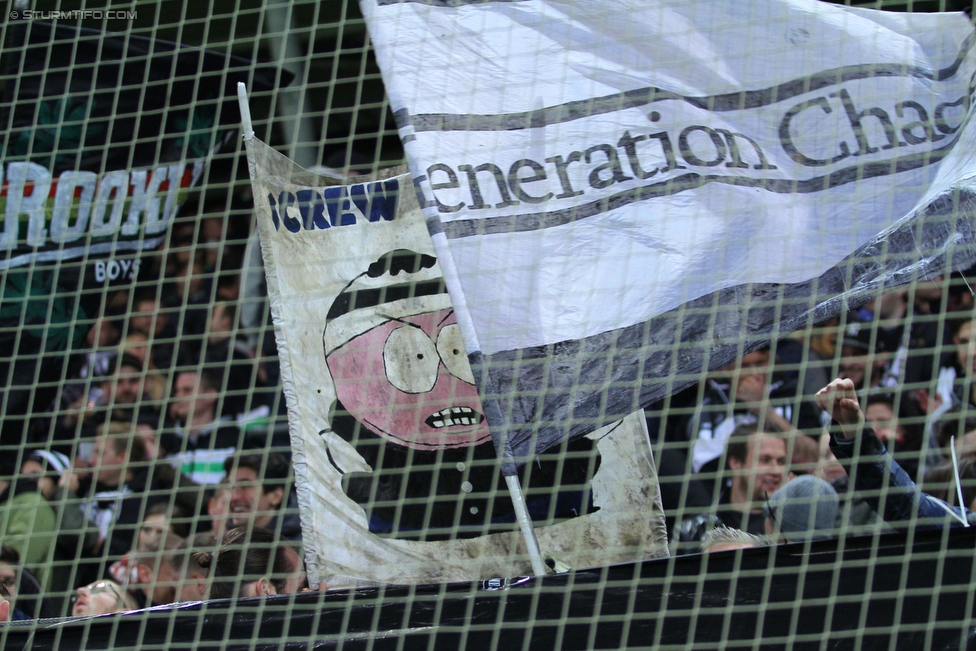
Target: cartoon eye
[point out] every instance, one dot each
(451, 349)
(411, 360)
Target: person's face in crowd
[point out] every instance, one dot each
(220, 324)
(881, 417)
(764, 469)
(165, 585)
(248, 501)
(190, 401)
(147, 318)
(966, 445)
(823, 339)
(8, 577)
(192, 588)
(297, 581)
(98, 598)
(102, 334)
(891, 305)
(750, 380)
(109, 465)
(148, 435)
(218, 507)
(153, 527)
(125, 387)
(854, 364)
(966, 351)
(45, 483)
(211, 229)
(137, 345)
(188, 279)
(229, 290)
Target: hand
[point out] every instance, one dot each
(70, 481)
(839, 399)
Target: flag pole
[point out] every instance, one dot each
(525, 524)
(245, 111)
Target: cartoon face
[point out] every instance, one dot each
(409, 381)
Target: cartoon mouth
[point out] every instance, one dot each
(454, 416)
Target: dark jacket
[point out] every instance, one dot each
(876, 472)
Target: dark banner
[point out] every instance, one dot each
(104, 134)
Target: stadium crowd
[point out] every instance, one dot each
(156, 474)
(754, 447)
(160, 470)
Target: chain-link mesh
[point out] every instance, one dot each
(148, 456)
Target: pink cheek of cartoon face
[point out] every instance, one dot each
(359, 372)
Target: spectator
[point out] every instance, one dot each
(746, 392)
(185, 288)
(297, 580)
(138, 345)
(100, 598)
(154, 580)
(940, 482)
(258, 485)
(184, 561)
(27, 523)
(148, 424)
(150, 319)
(801, 365)
(803, 509)
(161, 519)
(117, 394)
(863, 355)
(904, 320)
(958, 423)
(218, 508)
(805, 456)
(247, 563)
(101, 340)
(113, 462)
(45, 468)
(122, 486)
(957, 371)
(4, 605)
(757, 466)
(723, 539)
(876, 472)
(122, 389)
(22, 589)
(202, 440)
(900, 424)
(229, 351)
(9, 578)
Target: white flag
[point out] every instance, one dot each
(625, 193)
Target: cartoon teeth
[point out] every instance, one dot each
(454, 416)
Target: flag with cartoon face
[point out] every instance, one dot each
(397, 473)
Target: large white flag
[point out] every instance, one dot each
(623, 193)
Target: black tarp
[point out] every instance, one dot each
(898, 591)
